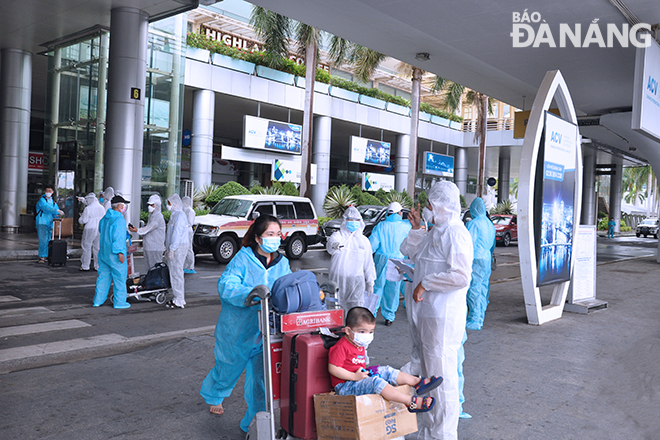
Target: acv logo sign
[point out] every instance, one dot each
(652, 85)
(524, 33)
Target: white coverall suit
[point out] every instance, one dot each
(90, 242)
(443, 265)
(190, 214)
(154, 233)
(176, 247)
(352, 265)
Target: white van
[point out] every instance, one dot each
(221, 230)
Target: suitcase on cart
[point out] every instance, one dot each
(57, 249)
(304, 373)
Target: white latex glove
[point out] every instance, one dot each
(60, 212)
(335, 245)
(369, 288)
(170, 255)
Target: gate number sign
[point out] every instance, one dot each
(135, 93)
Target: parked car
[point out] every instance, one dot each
(506, 228)
(222, 229)
(371, 214)
(648, 226)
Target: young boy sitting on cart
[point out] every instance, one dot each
(350, 376)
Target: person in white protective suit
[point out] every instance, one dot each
(108, 194)
(189, 265)
(90, 242)
(352, 264)
(153, 233)
(443, 269)
(176, 249)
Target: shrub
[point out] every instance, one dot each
(423, 199)
(202, 194)
(401, 197)
(381, 195)
(324, 220)
(463, 202)
(337, 200)
(228, 189)
(290, 189)
(504, 207)
(368, 199)
(602, 223)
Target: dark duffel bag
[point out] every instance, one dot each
(296, 292)
(158, 277)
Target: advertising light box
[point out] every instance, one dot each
(646, 91)
(374, 182)
(370, 152)
(289, 171)
(264, 134)
(556, 232)
(438, 164)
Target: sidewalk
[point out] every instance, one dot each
(26, 246)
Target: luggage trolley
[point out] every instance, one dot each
(153, 286)
(262, 426)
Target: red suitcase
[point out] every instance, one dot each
(304, 373)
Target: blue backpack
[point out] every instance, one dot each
(296, 292)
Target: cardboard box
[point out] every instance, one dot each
(67, 227)
(368, 417)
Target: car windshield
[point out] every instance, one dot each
(369, 213)
(649, 222)
(232, 207)
(499, 220)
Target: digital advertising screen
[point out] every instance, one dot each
(370, 152)
(556, 232)
(438, 164)
(272, 135)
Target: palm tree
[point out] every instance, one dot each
(639, 183)
(276, 31)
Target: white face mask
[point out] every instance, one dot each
(49, 194)
(151, 208)
(169, 207)
(362, 339)
(427, 215)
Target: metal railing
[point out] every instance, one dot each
(492, 125)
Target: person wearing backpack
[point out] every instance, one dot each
(47, 210)
(238, 343)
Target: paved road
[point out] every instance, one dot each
(72, 371)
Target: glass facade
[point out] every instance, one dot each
(76, 107)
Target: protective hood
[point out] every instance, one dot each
(477, 208)
(90, 199)
(109, 193)
(352, 213)
(187, 202)
(444, 197)
(156, 201)
(175, 201)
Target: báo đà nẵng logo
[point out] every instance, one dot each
(531, 30)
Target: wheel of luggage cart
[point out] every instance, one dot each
(161, 297)
(281, 433)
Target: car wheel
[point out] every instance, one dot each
(644, 235)
(638, 235)
(295, 248)
(655, 235)
(225, 249)
(506, 240)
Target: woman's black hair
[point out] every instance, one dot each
(257, 228)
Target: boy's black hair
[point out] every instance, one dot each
(359, 315)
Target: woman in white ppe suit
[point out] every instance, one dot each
(90, 242)
(153, 233)
(108, 194)
(352, 265)
(176, 248)
(443, 268)
(189, 265)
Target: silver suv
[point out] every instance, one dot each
(649, 226)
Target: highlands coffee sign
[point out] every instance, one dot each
(243, 43)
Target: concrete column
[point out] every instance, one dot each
(588, 216)
(54, 96)
(503, 174)
(460, 169)
(616, 193)
(201, 146)
(321, 157)
(402, 162)
(174, 138)
(127, 70)
(15, 95)
(99, 144)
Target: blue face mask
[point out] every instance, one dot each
(352, 225)
(270, 244)
(101, 200)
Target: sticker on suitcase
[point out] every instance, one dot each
(294, 322)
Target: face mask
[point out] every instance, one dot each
(169, 207)
(427, 215)
(362, 339)
(352, 225)
(123, 209)
(49, 195)
(151, 208)
(270, 244)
